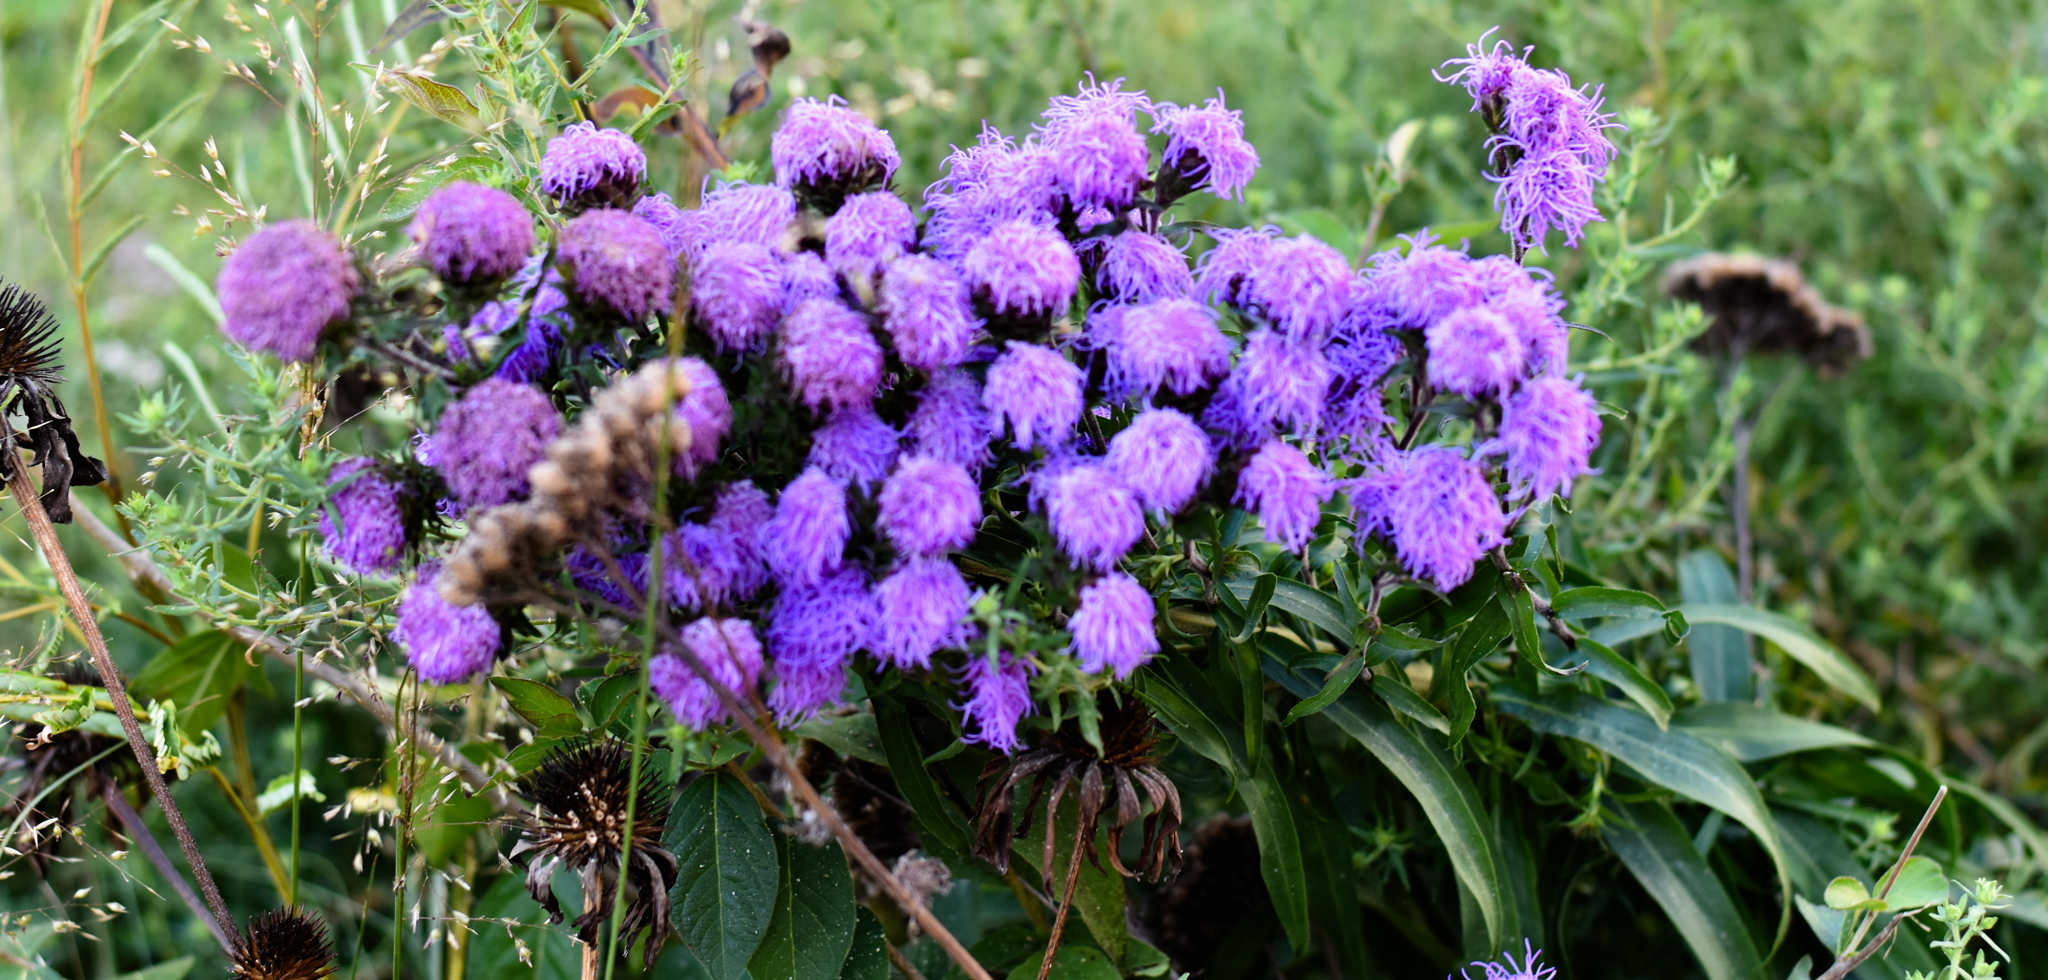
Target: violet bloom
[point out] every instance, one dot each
(1224, 274)
(1113, 628)
(868, 231)
(472, 234)
(370, 535)
(1100, 158)
(807, 537)
(1525, 298)
(921, 609)
(1474, 352)
(706, 411)
(998, 696)
(1414, 290)
(446, 643)
(1439, 510)
(618, 261)
(1163, 457)
(996, 180)
(1531, 967)
(1092, 514)
(806, 276)
(283, 287)
(854, 446)
(1023, 269)
(1207, 148)
(741, 511)
(1278, 382)
(802, 689)
(1286, 491)
(829, 143)
(1137, 267)
(825, 622)
(829, 355)
(1301, 286)
(1173, 343)
(728, 650)
(530, 361)
(1036, 392)
(705, 565)
(929, 506)
(1360, 354)
(754, 213)
(1548, 432)
(1541, 193)
(588, 572)
(950, 422)
(490, 437)
(672, 223)
(924, 303)
(736, 290)
(591, 166)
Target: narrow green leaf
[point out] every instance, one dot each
(167, 970)
(939, 823)
(547, 709)
(1801, 644)
(1722, 667)
(1255, 606)
(1341, 676)
(193, 286)
(106, 247)
(417, 14)
(1482, 634)
(1825, 922)
(1405, 638)
(1520, 608)
(724, 896)
(1314, 606)
(1752, 734)
(867, 958)
(812, 929)
(1653, 844)
(1616, 669)
(1402, 698)
(1594, 602)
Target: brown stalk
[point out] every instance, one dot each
(45, 533)
(75, 213)
(1843, 966)
(139, 832)
(1059, 921)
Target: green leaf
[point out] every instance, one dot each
(1316, 607)
(1675, 760)
(813, 926)
(867, 958)
(1255, 606)
(724, 896)
(852, 736)
(99, 255)
(611, 701)
(1825, 922)
(1402, 698)
(1722, 667)
(1654, 845)
(167, 970)
(939, 823)
(1615, 669)
(1481, 635)
(594, 8)
(1846, 893)
(417, 14)
(1520, 608)
(1098, 894)
(551, 953)
(1752, 734)
(1072, 963)
(547, 709)
(439, 99)
(1801, 644)
(442, 834)
(1594, 602)
(279, 792)
(201, 672)
(1339, 681)
(1920, 883)
(1405, 638)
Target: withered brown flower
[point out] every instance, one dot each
(580, 796)
(1764, 306)
(29, 374)
(283, 944)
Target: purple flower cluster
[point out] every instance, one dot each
(1531, 967)
(807, 536)
(1438, 509)
(1287, 491)
(922, 607)
(1206, 146)
(929, 506)
(829, 143)
(1100, 156)
(950, 422)
(364, 522)
(490, 437)
(1172, 344)
(469, 233)
(590, 165)
(283, 287)
(728, 650)
(736, 291)
(1547, 435)
(618, 262)
(446, 643)
(1163, 457)
(813, 632)
(1092, 514)
(998, 697)
(1112, 629)
(1024, 269)
(708, 413)
(1137, 267)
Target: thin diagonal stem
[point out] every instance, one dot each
(139, 831)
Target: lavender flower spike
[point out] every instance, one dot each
(1172, 344)
(803, 688)
(370, 537)
(922, 607)
(1099, 157)
(1113, 628)
(1287, 491)
(1163, 457)
(829, 355)
(929, 506)
(1137, 267)
(824, 623)
(490, 437)
(1207, 148)
(591, 166)
(469, 233)
(283, 287)
(446, 643)
(998, 696)
(1440, 511)
(739, 212)
(618, 261)
(1036, 392)
(807, 537)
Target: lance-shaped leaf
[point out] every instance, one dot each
(440, 100)
(1654, 845)
(1752, 734)
(1801, 644)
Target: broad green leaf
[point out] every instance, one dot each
(939, 823)
(1594, 602)
(867, 958)
(200, 673)
(167, 970)
(852, 736)
(1602, 662)
(1751, 733)
(1800, 643)
(1920, 883)
(439, 99)
(1722, 667)
(1072, 963)
(1441, 788)
(1654, 845)
(547, 709)
(611, 701)
(1845, 893)
(549, 952)
(1825, 922)
(1339, 681)
(1672, 759)
(812, 929)
(724, 895)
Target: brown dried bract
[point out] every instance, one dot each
(1764, 306)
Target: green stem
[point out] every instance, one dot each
(298, 749)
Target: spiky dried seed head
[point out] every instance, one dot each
(283, 944)
(582, 794)
(28, 337)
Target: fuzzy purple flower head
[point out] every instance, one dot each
(806, 276)
(1553, 191)
(708, 413)
(1302, 286)
(854, 446)
(1092, 514)
(1163, 457)
(802, 689)
(1360, 354)
(592, 167)
(1036, 392)
(998, 696)
(672, 223)
(1287, 491)
(1099, 157)
(922, 609)
(1548, 432)
(1225, 274)
(370, 537)
(1485, 72)
(1278, 382)
(446, 643)
(807, 537)
(282, 288)
(736, 212)
(1474, 352)
(813, 631)
(705, 565)
(1413, 290)
(736, 290)
(1113, 628)
(868, 231)
(729, 652)
(929, 506)
(473, 234)
(1531, 967)
(618, 261)
(1438, 509)
(1207, 149)
(827, 143)
(829, 355)
(950, 422)
(1137, 267)
(1023, 269)
(996, 180)
(1173, 343)
(925, 305)
(490, 437)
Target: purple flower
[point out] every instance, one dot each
(1093, 515)
(867, 231)
(736, 290)
(803, 688)
(822, 623)
(588, 572)
(1546, 115)
(929, 506)
(754, 213)
(1525, 298)
(854, 446)
(1207, 147)
(1225, 273)
(1546, 192)
(371, 534)
(707, 565)
(807, 536)
(1113, 628)
(1023, 269)
(998, 696)
(597, 166)
(529, 362)
(1172, 343)
(1287, 491)
(1485, 72)
(1531, 967)
(996, 180)
(618, 261)
(806, 276)
(282, 288)
(728, 650)
(1474, 352)
(1412, 291)
(446, 643)
(922, 607)
(950, 422)
(1302, 286)
(707, 412)
(1137, 267)
(925, 305)
(1548, 432)
(828, 143)
(1277, 382)
(670, 222)
(469, 233)
(1099, 157)
(829, 355)
(1036, 392)
(1439, 510)
(1360, 354)
(1163, 457)
(490, 437)
(741, 511)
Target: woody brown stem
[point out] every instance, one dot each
(1059, 921)
(139, 832)
(45, 534)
